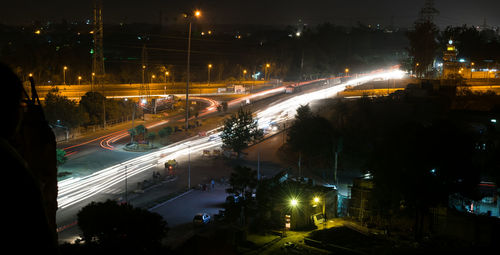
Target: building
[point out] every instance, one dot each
(360, 195)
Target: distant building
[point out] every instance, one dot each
(452, 66)
(301, 204)
(361, 191)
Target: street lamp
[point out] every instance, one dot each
(152, 78)
(79, 79)
(266, 71)
(209, 68)
(143, 69)
(64, 74)
(244, 74)
(346, 71)
(294, 202)
(196, 14)
(471, 68)
(92, 83)
(166, 74)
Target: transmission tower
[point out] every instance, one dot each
(428, 12)
(98, 50)
(98, 54)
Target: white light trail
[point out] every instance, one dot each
(75, 190)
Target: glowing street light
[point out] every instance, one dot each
(266, 74)
(197, 14)
(294, 202)
(166, 74)
(64, 74)
(316, 200)
(209, 68)
(79, 79)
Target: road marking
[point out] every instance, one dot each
(170, 200)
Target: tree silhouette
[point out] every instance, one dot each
(121, 227)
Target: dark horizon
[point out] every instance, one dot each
(278, 12)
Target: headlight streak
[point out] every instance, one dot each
(75, 190)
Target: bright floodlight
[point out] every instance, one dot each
(316, 199)
(294, 202)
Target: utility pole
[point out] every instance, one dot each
(144, 90)
(187, 80)
(258, 165)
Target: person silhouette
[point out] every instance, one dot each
(26, 225)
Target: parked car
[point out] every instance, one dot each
(201, 219)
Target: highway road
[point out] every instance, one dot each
(76, 192)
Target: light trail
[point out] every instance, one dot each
(76, 190)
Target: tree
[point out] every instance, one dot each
(132, 133)
(423, 45)
(239, 131)
(242, 179)
(312, 137)
(121, 227)
(61, 157)
(151, 136)
(165, 132)
(59, 109)
(92, 104)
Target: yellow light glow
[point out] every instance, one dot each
(79, 77)
(294, 202)
(167, 73)
(197, 13)
(38, 32)
(316, 199)
(268, 65)
(30, 75)
(153, 76)
(451, 48)
(347, 70)
(65, 68)
(209, 65)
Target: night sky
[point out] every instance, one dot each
(402, 12)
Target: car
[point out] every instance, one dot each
(201, 219)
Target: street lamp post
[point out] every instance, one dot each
(266, 74)
(64, 74)
(209, 68)
(79, 79)
(92, 83)
(189, 17)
